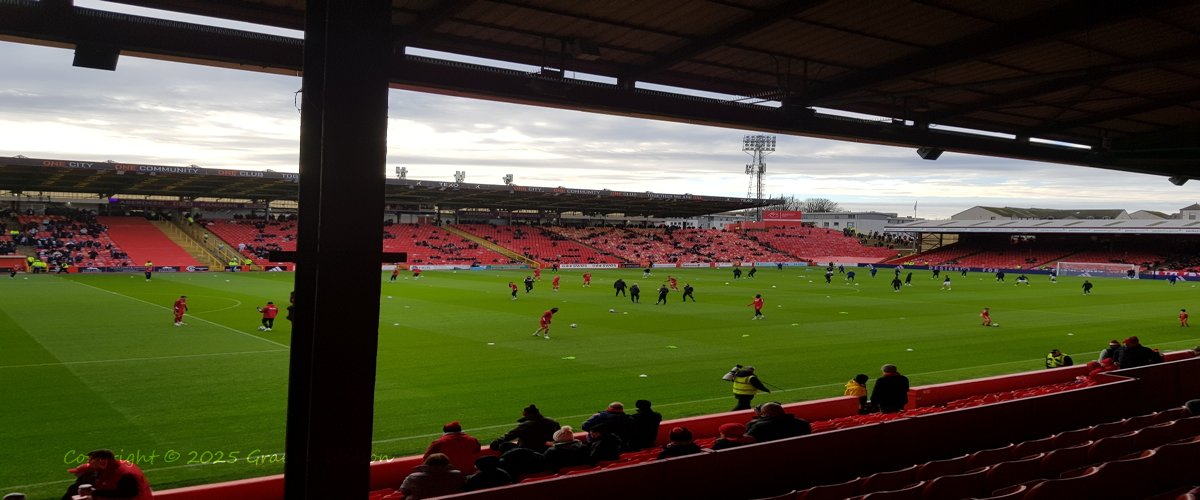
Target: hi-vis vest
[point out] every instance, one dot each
(741, 385)
(1053, 361)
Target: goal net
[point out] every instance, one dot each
(1098, 269)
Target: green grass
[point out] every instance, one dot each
(92, 361)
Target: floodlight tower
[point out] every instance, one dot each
(758, 147)
(460, 176)
(401, 172)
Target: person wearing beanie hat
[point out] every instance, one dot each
(613, 417)
(490, 474)
(460, 447)
(732, 434)
(681, 444)
(567, 451)
(643, 427)
(603, 444)
(1135, 354)
(891, 390)
(533, 431)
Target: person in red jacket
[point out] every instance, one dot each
(110, 478)
(758, 305)
(180, 308)
(554, 283)
(513, 286)
(458, 445)
(544, 323)
(587, 279)
(269, 312)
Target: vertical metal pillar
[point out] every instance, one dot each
(335, 332)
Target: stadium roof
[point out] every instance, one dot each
(1054, 213)
(1120, 78)
(1051, 226)
(112, 178)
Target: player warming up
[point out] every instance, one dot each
(554, 282)
(180, 308)
(587, 280)
(544, 323)
(986, 315)
(513, 286)
(269, 312)
(1183, 316)
(757, 303)
(149, 270)
(395, 272)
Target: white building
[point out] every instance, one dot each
(862, 222)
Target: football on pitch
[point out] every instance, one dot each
(997, 325)
(573, 325)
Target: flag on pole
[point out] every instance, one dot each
(914, 205)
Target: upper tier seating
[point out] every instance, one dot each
(808, 243)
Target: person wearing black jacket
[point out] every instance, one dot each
(775, 423)
(643, 426)
(619, 285)
(533, 431)
(891, 390)
(1135, 354)
(635, 293)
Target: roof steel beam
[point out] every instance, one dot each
(1055, 22)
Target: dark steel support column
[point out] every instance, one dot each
(343, 145)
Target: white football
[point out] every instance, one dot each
(996, 324)
(612, 310)
(573, 325)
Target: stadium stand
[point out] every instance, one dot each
(144, 242)
(255, 238)
(78, 238)
(817, 243)
(429, 244)
(538, 243)
(939, 468)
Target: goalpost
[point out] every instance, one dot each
(1098, 269)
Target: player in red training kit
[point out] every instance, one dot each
(555, 283)
(416, 273)
(544, 322)
(758, 305)
(513, 286)
(180, 308)
(395, 272)
(537, 274)
(1183, 317)
(987, 316)
(269, 312)
(587, 279)
(674, 282)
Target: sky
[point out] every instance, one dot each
(176, 114)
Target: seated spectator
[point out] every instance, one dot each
(1112, 351)
(110, 478)
(614, 418)
(858, 388)
(517, 461)
(1135, 354)
(731, 435)
(490, 474)
(777, 424)
(891, 390)
(435, 478)
(566, 451)
(458, 445)
(681, 444)
(533, 431)
(605, 445)
(643, 427)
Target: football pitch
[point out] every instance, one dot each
(93, 361)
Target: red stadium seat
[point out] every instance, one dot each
(891, 480)
(1013, 492)
(956, 486)
(830, 491)
(786, 496)
(1156, 435)
(989, 457)
(1139, 422)
(1112, 448)
(1083, 485)
(1014, 471)
(1061, 460)
(1033, 446)
(935, 468)
(1130, 478)
(911, 492)
(1187, 427)
(1175, 464)
(1071, 438)
(1105, 430)
(1171, 414)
